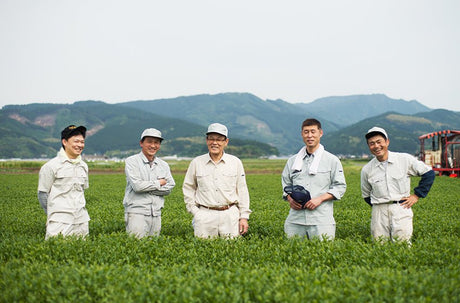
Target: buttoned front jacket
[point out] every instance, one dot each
(390, 181)
(65, 181)
(329, 178)
(143, 193)
(216, 184)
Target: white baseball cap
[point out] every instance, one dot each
(151, 132)
(218, 129)
(376, 130)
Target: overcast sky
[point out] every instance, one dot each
(64, 51)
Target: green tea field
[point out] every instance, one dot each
(263, 266)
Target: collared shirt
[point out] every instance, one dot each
(216, 184)
(390, 181)
(144, 194)
(64, 180)
(329, 179)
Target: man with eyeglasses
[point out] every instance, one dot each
(215, 190)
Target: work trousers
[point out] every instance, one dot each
(54, 228)
(391, 221)
(209, 223)
(142, 226)
(321, 232)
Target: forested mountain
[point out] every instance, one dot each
(32, 131)
(256, 127)
(246, 116)
(347, 110)
(403, 131)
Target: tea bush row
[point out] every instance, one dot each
(110, 266)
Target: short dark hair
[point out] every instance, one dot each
(311, 122)
(71, 131)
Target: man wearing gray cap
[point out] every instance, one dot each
(148, 180)
(385, 185)
(215, 190)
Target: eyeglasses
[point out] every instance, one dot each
(218, 140)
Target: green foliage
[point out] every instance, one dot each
(352, 109)
(248, 117)
(263, 266)
(33, 130)
(254, 166)
(403, 131)
(113, 130)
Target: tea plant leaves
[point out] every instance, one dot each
(110, 266)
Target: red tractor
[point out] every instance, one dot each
(444, 153)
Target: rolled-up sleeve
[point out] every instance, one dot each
(338, 185)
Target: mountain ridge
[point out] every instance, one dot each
(257, 127)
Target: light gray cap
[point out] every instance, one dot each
(376, 130)
(218, 129)
(151, 132)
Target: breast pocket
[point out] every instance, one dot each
(63, 180)
(203, 181)
(159, 173)
(81, 176)
(323, 176)
(401, 183)
(229, 181)
(379, 187)
(72, 178)
(296, 175)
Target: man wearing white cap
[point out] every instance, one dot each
(385, 185)
(148, 180)
(215, 190)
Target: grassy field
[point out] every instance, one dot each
(263, 266)
(255, 166)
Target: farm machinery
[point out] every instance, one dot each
(443, 154)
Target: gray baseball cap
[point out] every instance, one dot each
(151, 132)
(218, 129)
(376, 130)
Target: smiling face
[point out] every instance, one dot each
(378, 146)
(74, 146)
(311, 135)
(216, 144)
(150, 146)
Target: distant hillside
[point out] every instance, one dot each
(247, 116)
(403, 131)
(256, 127)
(347, 110)
(31, 131)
